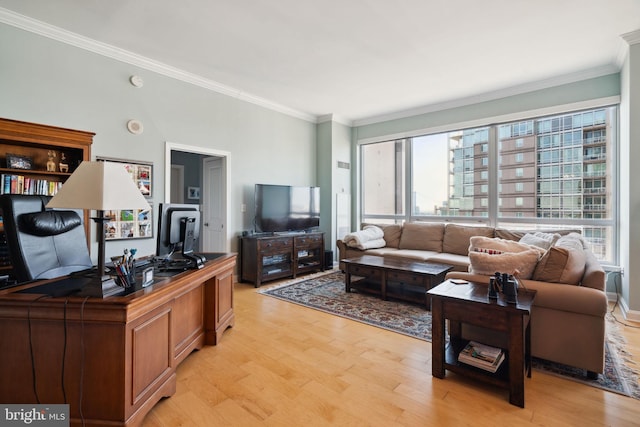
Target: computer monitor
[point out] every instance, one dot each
(178, 230)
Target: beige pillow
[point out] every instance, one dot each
(488, 256)
(539, 239)
(563, 263)
(457, 237)
(425, 236)
(392, 233)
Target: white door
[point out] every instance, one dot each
(213, 204)
(177, 184)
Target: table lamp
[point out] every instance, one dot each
(100, 186)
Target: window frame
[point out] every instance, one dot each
(493, 153)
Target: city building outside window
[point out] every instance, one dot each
(553, 172)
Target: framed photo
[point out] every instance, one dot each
(19, 162)
(129, 224)
(193, 193)
(141, 173)
(132, 223)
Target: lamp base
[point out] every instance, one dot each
(101, 287)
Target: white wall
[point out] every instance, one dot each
(45, 81)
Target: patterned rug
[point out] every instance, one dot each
(326, 292)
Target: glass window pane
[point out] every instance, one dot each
(448, 170)
(383, 178)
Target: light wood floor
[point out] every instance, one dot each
(286, 365)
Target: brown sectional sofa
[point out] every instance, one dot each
(567, 320)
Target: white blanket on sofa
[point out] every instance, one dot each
(369, 237)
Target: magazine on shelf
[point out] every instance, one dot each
(482, 356)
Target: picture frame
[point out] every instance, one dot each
(132, 223)
(15, 161)
(193, 193)
(141, 173)
(129, 224)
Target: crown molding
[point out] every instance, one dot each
(632, 37)
(334, 118)
(628, 39)
(491, 96)
(55, 33)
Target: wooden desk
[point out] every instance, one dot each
(113, 358)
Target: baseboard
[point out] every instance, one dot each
(627, 313)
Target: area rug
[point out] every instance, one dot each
(326, 292)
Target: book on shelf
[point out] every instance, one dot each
(482, 356)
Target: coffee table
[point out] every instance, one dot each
(394, 277)
(468, 303)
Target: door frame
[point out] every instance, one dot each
(223, 155)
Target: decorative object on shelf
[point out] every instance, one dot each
(193, 193)
(63, 166)
(15, 161)
(135, 127)
(131, 223)
(51, 164)
(100, 186)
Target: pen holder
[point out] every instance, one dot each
(126, 279)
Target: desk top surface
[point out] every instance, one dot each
(67, 288)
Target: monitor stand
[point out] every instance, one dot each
(188, 232)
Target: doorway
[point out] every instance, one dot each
(213, 195)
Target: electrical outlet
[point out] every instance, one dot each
(243, 208)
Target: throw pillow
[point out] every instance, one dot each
(457, 237)
(425, 236)
(488, 256)
(563, 263)
(539, 239)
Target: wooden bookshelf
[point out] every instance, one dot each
(43, 148)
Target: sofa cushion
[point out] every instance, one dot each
(392, 233)
(564, 262)
(457, 237)
(426, 236)
(459, 262)
(411, 254)
(540, 239)
(488, 256)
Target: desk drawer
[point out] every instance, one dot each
(276, 244)
(476, 314)
(364, 271)
(310, 240)
(408, 278)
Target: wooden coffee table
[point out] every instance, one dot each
(395, 278)
(468, 303)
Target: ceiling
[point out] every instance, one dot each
(358, 60)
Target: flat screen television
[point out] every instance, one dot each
(282, 208)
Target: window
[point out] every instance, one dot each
(383, 172)
(552, 172)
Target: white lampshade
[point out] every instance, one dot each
(100, 186)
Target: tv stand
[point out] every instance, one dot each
(273, 257)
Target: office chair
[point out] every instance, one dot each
(43, 243)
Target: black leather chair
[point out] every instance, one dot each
(43, 243)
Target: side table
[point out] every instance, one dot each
(468, 303)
